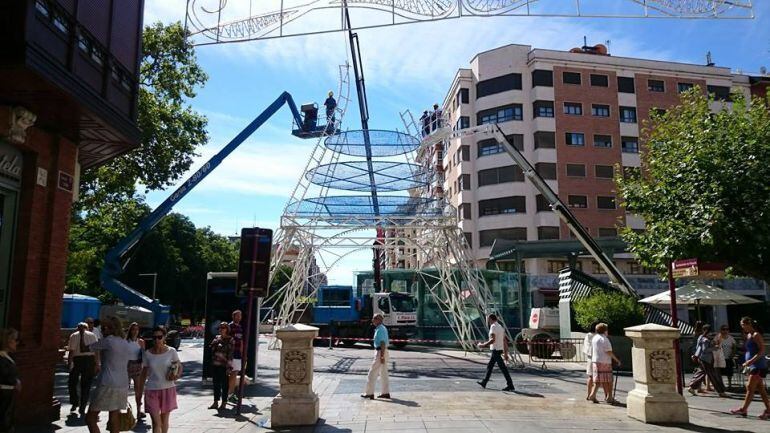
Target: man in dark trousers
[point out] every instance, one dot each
(425, 122)
(435, 118)
(236, 331)
(498, 342)
(331, 105)
(82, 367)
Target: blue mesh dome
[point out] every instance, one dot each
(382, 143)
(361, 205)
(354, 176)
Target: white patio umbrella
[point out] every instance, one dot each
(697, 293)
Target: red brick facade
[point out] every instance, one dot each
(39, 266)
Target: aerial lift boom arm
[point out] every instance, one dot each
(114, 262)
(564, 213)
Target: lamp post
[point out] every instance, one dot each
(154, 276)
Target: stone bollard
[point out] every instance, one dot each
(654, 398)
(296, 404)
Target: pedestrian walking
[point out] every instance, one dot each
(135, 365)
(755, 368)
(704, 356)
(588, 352)
(81, 362)
(111, 391)
(498, 343)
(161, 368)
(602, 357)
(729, 347)
(10, 384)
(379, 365)
(221, 364)
(236, 331)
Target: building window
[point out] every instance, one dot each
(575, 139)
(493, 176)
(554, 266)
(657, 112)
(719, 93)
(599, 80)
(628, 114)
(573, 108)
(626, 85)
(541, 204)
(608, 232)
(604, 171)
(577, 201)
(604, 141)
(464, 182)
(631, 172)
(500, 114)
(489, 146)
(545, 140)
(468, 239)
(629, 144)
(517, 140)
(463, 95)
(463, 154)
(542, 77)
(463, 122)
(603, 202)
(542, 108)
(683, 87)
(600, 110)
(546, 170)
(656, 86)
(464, 211)
(503, 205)
(487, 237)
(498, 84)
(571, 77)
(547, 232)
(576, 170)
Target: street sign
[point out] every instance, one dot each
(684, 268)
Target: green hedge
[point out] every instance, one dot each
(613, 308)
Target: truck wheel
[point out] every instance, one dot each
(541, 346)
(567, 350)
(521, 344)
(400, 344)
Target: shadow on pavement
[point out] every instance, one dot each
(704, 429)
(527, 394)
(407, 403)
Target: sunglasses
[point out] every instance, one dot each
(157, 337)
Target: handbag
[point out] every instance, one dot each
(126, 420)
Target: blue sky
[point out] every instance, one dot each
(406, 67)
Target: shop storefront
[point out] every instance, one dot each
(11, 164)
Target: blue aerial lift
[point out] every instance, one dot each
(117, 258)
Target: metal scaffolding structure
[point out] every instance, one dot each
(220, 21)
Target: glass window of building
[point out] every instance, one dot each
(542, 204)
(542, 108)
(542, 77)
(502, 205)
(604, 141)
(500, 114)
(628, 114)
(498, 85)
(577, 201)
(604, 171)
(629, 144)
(545, 140)
(576, 170)
(575, 139)
(600, 110)
(547, 232)
(493, 176)
(464, 182)
(546, 170)
(605, 202)
(463, 122)
(719, 93)
(571, 77)
(626, 85)
(598, 80)
(656, 86)
(487, 237)
(683, 87)
(573, 108)
(608, 232)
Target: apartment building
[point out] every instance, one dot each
(578, 117)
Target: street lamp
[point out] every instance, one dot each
(154, 276)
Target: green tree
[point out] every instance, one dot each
(171, 130)
(703, 190)
(613, 308)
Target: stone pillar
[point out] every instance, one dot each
(296, 404)
(654, 398)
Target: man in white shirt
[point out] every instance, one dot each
(498, 342)
(93, 327)
(82, 366)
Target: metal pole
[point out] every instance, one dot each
(675, 324)
(245, 352)
(256, 340)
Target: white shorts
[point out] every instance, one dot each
(236, 363)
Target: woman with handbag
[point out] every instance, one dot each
(111, 392)
(135, 364)
(161, 368)
(754, 367)
(221, 364)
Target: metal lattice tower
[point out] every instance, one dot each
(213, 22)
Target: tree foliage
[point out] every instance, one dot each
(704, 190)
(613, 308)
(170, 130)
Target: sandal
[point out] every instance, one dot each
(765, 415)
(739, 411)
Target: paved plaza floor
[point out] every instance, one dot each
(433, 390)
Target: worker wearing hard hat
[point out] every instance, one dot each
(331, 105)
